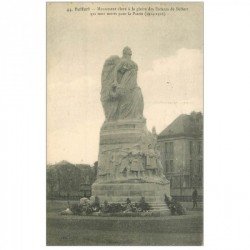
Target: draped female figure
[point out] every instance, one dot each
(120, 95)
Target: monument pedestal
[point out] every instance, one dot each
(119, 192)
(128, 165)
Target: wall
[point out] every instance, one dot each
(182, 158)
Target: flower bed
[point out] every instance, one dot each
(175, 207)
(128, 209)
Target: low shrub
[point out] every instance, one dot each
(128, 201)
(112, 208)
(167, 201)
(175, 207)
(127, 208)
(96, 205)
(77, 209)
(89, 210)
(142, 206)
(180, 210)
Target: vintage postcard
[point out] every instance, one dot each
(124, 124)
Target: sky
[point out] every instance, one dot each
(169, 53)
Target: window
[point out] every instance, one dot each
(185, 181)
(175, 182)
(200, 167)
(167, 167)
(200, 148)
(171, 163)
(191, 167)
(191, 147)
(169, 150)
(200, 173)
(171, 145)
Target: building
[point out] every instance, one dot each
(66, 180)
(181, 145)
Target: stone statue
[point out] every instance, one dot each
(151, 164)
(158, 160)
(128, 162)
(121, 96)
(136, 162)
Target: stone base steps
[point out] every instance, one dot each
(153, 193)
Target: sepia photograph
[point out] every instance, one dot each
(124, 124)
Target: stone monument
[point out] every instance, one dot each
(129, 164)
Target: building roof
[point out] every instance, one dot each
(184, 125)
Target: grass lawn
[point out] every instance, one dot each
(89, 230)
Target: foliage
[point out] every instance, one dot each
(130, 214)
(128, 201)
(89, 210)
(77, 209)
(143, 205)
(112, 208)
(175, 207)
(167, 201)
(131, 208)
(180, 210)
(96, 205)
(128, 207)
(66, 180)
